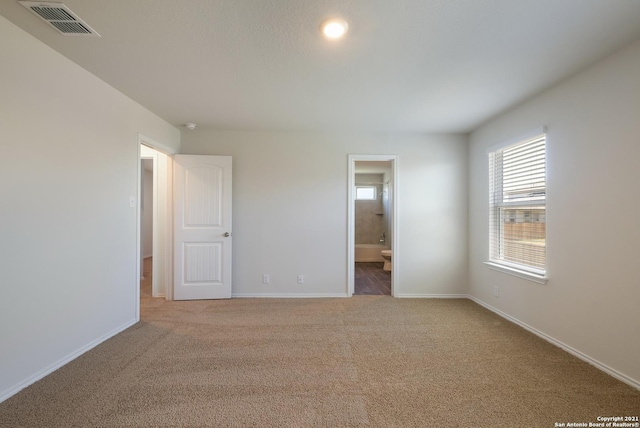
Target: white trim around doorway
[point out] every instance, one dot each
(395, 283)
(162, 219)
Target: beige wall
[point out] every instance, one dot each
(290, 208)
(69, 165)
(590, 302)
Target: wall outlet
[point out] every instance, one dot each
(265, 278)
(496, 291)
(300, 279)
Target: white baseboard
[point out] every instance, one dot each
(610, 371)
(289, 295)
(55, 366)
(333, 295)
(431, 296)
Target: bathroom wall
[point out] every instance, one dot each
(370, 221)
(387, 198)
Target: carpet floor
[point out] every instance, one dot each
(352, 362)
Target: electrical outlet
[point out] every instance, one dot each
(265, 278)
(300, 279)
(496, 291)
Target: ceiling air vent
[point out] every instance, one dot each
(60, 17)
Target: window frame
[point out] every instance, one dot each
(497, 203)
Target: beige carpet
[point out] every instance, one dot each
(363, 361)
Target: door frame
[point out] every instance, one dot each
(351, 228)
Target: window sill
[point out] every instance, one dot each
(540, 279)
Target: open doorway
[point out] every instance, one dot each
(154, 228)
(146, 227)
(373, 225)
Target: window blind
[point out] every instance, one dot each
(517, 203)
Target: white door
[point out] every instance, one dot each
(202, 231)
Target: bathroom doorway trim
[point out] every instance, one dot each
(395, 283)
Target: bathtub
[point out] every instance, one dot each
(369, 252)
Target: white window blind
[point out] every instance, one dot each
(517, 203)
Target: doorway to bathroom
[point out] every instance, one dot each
(373, 225)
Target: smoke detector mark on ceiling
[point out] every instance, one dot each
(60, 17)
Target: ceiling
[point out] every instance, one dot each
(405, 65)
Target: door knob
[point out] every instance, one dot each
(227, 234)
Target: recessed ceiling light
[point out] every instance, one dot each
(334, 28)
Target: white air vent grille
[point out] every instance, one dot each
(60, 17)
(71, 27)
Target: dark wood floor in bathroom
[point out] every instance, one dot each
(371, 279)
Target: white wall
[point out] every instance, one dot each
(146, 226)
(68, 165)
(290, 208)
(591, 300)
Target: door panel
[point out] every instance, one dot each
(202, 246)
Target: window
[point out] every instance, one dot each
(517, 204)
(366, 193)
